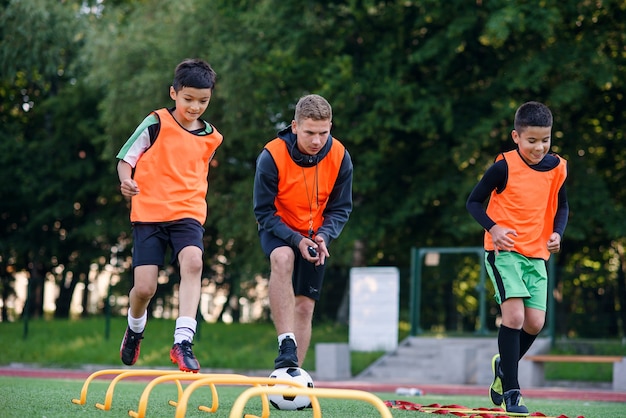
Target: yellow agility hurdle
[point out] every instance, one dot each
(108, 398)
(181, 409)
(178, 376)
(237, 409)
(121, 373)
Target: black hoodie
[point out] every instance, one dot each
(339, 206)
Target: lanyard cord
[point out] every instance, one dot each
(315, 190)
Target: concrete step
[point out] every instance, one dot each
(439, 361)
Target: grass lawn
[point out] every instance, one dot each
(75, 343)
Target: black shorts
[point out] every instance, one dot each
(307, 278)
(150, 240)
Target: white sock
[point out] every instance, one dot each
(137, 324)
(281, 337)
(185, 329)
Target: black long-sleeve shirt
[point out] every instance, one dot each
(496, 177)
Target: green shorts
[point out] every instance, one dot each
(516, 276)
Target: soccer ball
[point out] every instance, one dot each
(291, 403)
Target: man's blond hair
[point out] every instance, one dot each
(314, 107)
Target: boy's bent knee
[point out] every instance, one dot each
(533, 327)
(192, 264)
(190, 259)
(145, 292)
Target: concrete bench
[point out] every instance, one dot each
(533, 366)
(332, 361)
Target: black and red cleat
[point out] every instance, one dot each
(182, 355)
(129, 350)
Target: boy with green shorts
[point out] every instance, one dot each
(524, 222)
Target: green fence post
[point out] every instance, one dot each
(482, 294)
(417, 255)
(416, 291)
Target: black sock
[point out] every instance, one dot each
(509, 346)
(525, 341)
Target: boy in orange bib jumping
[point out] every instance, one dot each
(163, 168)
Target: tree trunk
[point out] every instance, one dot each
(232, 303)
(86, 294)
(34, 304)
(66, 290)
(7, 291)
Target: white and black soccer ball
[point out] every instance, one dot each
(291, 403)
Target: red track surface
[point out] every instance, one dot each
(546, 393)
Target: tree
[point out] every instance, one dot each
(423, 96)
(51, 203)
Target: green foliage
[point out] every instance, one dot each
(132, 54)
(423, 96)
(39, 39)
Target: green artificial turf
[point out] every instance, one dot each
(52, 398)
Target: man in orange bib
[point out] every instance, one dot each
(302, 200)
(524, 223)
